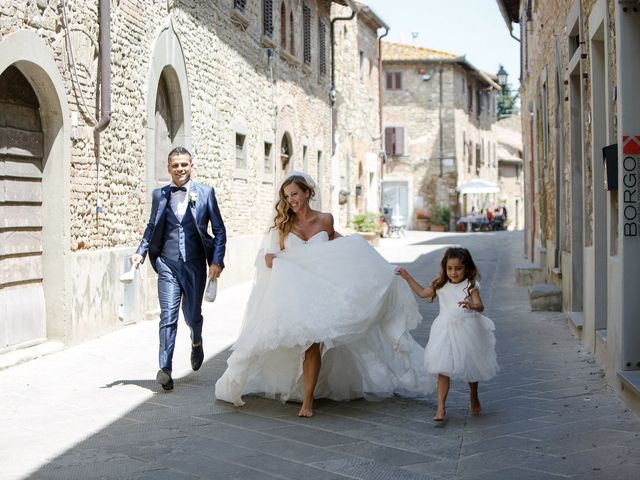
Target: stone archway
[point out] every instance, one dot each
(169, 121)
(34, 153)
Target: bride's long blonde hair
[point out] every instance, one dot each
(285, 217)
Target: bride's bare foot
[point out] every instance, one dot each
(440, 414)
(475, 406)
(306, 410)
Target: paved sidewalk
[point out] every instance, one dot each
(94, 410)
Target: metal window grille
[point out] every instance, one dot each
(239, 4)
(283, 26)
(292, 38)
(323, 47)
(240, 156)
(306, 33)
(267, 157)
(267, 18)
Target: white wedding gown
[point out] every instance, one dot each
(343, 295)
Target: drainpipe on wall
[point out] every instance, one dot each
(105, 88)
(332, 92)
(381, 156)
(105, 66)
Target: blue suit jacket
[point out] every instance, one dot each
(204, 210)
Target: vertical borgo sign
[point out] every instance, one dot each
(631, 186)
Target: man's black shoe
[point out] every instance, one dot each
(197, 356)
(164, 378)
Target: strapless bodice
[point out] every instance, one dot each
(294, 240)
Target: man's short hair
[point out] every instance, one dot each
(178, 151)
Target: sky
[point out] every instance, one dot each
(474, 28)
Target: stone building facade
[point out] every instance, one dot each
(508, 133)
(581, 166)
(438, 117)
(357, 159)
(245, 85)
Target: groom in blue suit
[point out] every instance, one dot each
(180, 248)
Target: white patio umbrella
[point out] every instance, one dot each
(477, 185)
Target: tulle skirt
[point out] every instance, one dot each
(462, 346)
(343, 295)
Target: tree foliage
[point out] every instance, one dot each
(507, 103)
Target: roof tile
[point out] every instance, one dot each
(392, 51)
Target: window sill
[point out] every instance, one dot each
(239, 18)
(290, 59)
(267, 42)
(306, 69)
(240, 174)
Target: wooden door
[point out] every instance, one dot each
(22, 305)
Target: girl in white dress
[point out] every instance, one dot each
(461, 342)
(326, 317)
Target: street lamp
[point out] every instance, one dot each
(502, 76)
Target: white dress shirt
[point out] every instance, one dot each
(180, 201)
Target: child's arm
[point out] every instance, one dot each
(473, 301)
(422, 292)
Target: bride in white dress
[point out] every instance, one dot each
(327, 316)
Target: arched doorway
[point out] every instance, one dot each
(168, 106)
(34, 79)
(21, 172)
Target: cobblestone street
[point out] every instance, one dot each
(94, 410)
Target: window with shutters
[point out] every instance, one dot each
(322, 40)
(393, 80)
(306, 33)
(394, 141)
(292, 38)
(283, 26)
(239, 4)
(267, 18)
(469, 99)
(241, 157)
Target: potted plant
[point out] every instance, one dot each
(422, 221)
(367, 225)
(440, 218)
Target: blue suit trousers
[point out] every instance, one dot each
(179, 283)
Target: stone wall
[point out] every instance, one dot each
(358, 120)
(549, 23)
(231, 85)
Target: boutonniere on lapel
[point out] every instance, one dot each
(193, 198)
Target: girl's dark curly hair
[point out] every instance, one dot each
(470, 271)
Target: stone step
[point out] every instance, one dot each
(529, 274)
(545, 297)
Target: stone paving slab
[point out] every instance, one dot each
(94, 411)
